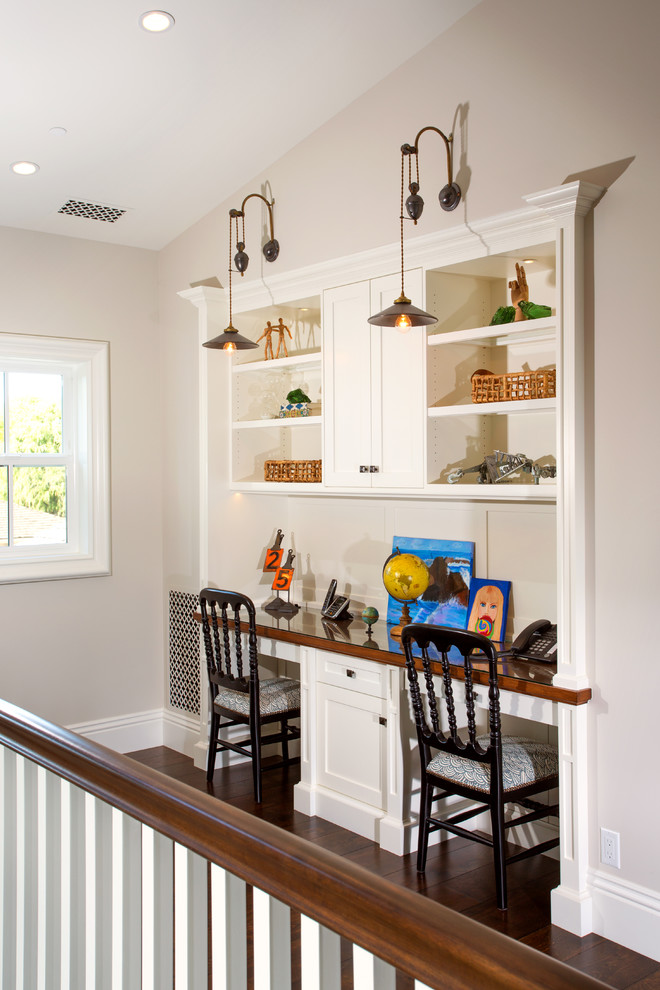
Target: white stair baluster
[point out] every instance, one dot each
(272, 942)
(228, 931)
(157, 875)
(370, 972)
(320, 956)
(190, 920)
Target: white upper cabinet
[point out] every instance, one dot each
(373, 387)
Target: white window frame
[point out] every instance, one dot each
(84, 366)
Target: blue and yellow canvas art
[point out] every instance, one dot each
(445, 601)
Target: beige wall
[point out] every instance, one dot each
(536, 94)
(85, 649)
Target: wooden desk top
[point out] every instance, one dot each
(308, 628)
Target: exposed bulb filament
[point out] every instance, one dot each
(403, 323)
(229, 346)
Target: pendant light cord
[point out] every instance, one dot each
(229, 256)
(401, 220)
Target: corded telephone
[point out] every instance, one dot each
(538, 641)
(335, 606)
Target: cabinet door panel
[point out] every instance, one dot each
(352, 744)
(398, 401)
(346, 385)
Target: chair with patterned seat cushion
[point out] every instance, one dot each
(491, 769)
(237, 696)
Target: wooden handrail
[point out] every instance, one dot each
(432, 943)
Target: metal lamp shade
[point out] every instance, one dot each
(402, 307)
(230, 340)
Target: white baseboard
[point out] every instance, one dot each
(143, 730)
(626, 913)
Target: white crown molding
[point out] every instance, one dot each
(532, 223)
(572, 199)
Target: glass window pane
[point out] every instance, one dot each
(35, 413)
(39, 505)
(4, 521)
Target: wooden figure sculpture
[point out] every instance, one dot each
(268, 347)
(281, 340)
(519, 292)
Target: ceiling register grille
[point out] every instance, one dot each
(91, 211)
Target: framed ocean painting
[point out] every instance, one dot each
(445, 601)
(488, 608)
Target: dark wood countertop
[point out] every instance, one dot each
(350, 639)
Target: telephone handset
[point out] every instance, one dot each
(538, 641)
(335, 606)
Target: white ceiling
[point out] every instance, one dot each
(166, 126)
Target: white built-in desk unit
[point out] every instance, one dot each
(411, 437)
(359, 767)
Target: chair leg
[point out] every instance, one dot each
(284, 727)
(497, 825)
(213, 745)
(425, 797)
(255, 739)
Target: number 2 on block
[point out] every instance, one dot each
(273, 558)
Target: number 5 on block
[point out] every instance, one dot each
(283, 579)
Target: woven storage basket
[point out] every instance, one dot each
(514, 386)
(298, 471)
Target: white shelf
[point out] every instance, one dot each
(312, 357)
(545, 491)
(288, 422)
(526, 330)
(279, 487)
(494, 408)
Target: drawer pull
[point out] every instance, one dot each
(382, 720)
(350, 673)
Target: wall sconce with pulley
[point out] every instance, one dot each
(402, 314)
(230, 339)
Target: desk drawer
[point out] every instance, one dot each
(367, 678)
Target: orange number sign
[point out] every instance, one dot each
(283, 579)
(273, 558)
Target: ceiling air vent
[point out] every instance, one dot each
(91, 211)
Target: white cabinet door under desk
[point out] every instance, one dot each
(351, 745)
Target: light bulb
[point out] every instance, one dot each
(156, 21)
(24, 168)
(229, 346)
(403, 323)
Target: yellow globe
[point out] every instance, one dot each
(405, 577)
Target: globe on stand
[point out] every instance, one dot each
(369, 616)
(405, 577)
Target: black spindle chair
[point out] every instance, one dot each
(492, 769)
(236, 694)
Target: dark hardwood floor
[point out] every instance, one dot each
(459, 874)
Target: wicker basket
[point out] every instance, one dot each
(514, 386)
(296, 471)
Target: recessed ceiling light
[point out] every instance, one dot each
(529, 261)
(156, 21)
(57, 131)
(24, 168)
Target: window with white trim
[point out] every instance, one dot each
(54, 458)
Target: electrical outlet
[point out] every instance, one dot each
(609, 848)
